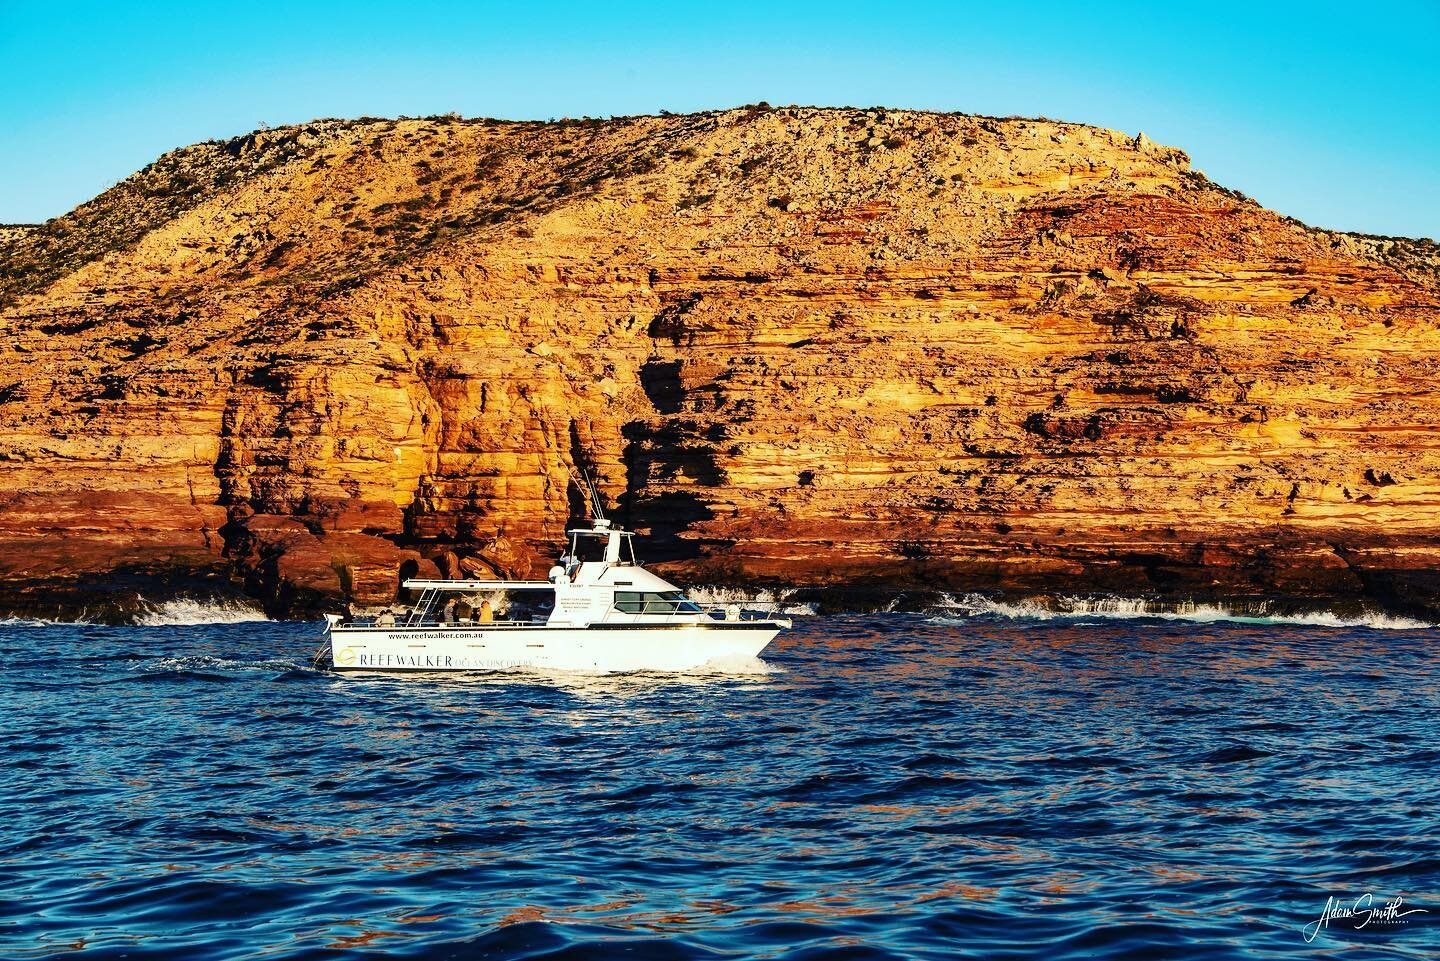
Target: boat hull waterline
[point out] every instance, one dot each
(599, 648)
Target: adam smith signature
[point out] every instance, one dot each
(1361, 913)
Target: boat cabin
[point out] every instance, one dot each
(597, 581)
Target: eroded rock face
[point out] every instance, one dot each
(802, 346)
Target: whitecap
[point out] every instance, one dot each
(183, 611)
(207, 662)
(769, 601)
(969, 606)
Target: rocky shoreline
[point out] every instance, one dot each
(135, 597)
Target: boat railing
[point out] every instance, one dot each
(733, 613)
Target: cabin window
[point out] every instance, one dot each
(663, 602)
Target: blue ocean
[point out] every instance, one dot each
(980, 781)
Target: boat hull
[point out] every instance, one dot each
(600, 648)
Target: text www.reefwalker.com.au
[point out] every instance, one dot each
(1361, 914)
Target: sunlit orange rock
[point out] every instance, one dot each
(807, 346)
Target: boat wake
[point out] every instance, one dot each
(968, 607)
(205, 662)
(715, 671)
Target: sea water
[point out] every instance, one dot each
(975, 782)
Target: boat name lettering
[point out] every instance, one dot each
(405, 660)
(437, 661)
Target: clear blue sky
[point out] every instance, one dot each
(1329, 112)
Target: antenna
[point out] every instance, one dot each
(596, 503)
(591, 492)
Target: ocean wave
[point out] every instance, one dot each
(184, 611)
(771, 602)
(971, 606)
(176, 612)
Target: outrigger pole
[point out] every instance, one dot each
(591, 492)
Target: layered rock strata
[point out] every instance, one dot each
(795, 346)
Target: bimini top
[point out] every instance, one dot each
(599, 527)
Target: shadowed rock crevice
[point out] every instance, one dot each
(661, 382)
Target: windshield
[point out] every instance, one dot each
(661, 602)
(586, 548)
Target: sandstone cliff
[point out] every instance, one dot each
(795, 345)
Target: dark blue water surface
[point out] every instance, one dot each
(900, 787)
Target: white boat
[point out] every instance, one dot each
(598, 610)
